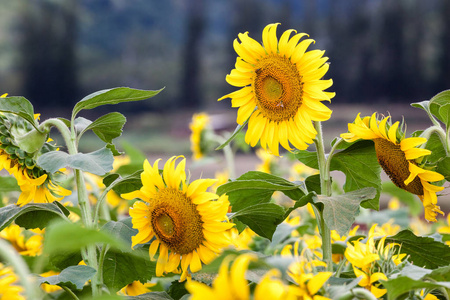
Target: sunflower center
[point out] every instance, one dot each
(176, 221)
(278, 88)
(393, 161)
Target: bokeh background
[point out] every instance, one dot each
(384, 55)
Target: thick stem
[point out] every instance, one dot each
(325, 185)
(443, 135)
(8, 254)
(69, 137)
(358, 293)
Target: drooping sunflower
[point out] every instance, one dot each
(198, 127)
(231, 284)
(281, 89)
(400, 158)
(187, 223)
(34, 182)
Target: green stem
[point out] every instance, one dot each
(101, 260)
(229, 157)
(443, 135)
(69, 291)
(325, 185)
(8, 253)
(69, 137)
(359, 293)
(100, 203)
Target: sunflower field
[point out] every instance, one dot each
(113, 225)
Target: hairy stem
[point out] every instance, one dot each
(325, 185)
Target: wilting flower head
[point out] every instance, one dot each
(230, 284)
(281, 89)
(400, 159)
(34, 182)
(9, 288)
(198, 127)
(187, 223)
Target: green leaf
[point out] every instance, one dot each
(80, 237)
(81, 124)
(257, 187)
(8, 184)
(19, 106)
(32, 141)
(339, 211)
(434, 144)
(402, 285)
(120, 230)
(235, 133)
(443, 167)
(425, 105)
(437, 103)
(122, 185)
(107, 127)
(414, 206)
(300, 203)
(73, 277)
(360, 165)
(423, 251)
(308, 158)
(313, 183)
(33, 215)
(261, 218)
(112, 96)
(177, 289)
(98, 162)
(64, 259)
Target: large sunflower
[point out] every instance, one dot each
(187, 223)
(281, 89)
(400, 159)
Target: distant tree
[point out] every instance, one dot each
(48, 51)
(195, 28)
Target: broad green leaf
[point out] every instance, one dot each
(122, 185)
(401, 285)
(73, 277)
(81, 124)
(19, 106)
(80, 237)
(414, 272)
(440, 274)
(422, 251)
(282, 232)
(412, 202)
(235, 133)
(360, 165)
(8, 184)
(437, 103)
(340, 211)
(64, 259)
(112, 96)
(444, 113)
(443, 167)
(434, 144)
(261, 218)
(107, 127)
(313, 183)
(98, 162)
(177, 289)
(308, 158)
(33, 215)
(257, 187)
(122, 268)
(425, 105)
(120, 230)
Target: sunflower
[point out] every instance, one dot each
(8, 284)
(281, 89)
(22, 241)
(231, 284)
(400, 158)
(137, 288)
(187, 223)
(34, 182)
(198, 126)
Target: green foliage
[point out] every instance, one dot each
(107, 127)
(339, 211)
(73, 277)
(235, 133)
(122, 185)
(112, 96)
(33, 215)
(8, 184)
(414, 206)
(98, 162)
(19, 106)
(422, 251)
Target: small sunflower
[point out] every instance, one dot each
(136, 288)
(23, 242)
(281, 89)
(198, 126)
(187, 223)
(400, 159)
(231, 283)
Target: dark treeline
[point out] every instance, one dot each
(379, 50)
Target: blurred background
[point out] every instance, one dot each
(383, 54)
